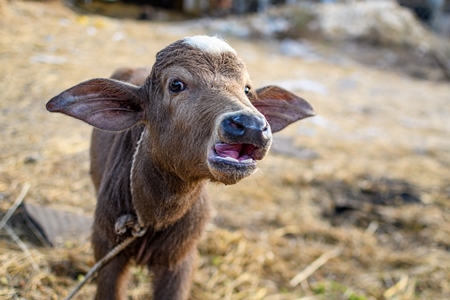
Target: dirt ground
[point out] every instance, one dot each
(366, 183)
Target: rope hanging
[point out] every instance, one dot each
(105, 260)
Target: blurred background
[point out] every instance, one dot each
(353, 203)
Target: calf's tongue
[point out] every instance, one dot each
(227, 150)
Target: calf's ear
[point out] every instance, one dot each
(281, 107)
(104, 103)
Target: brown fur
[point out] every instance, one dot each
(153, 164)
(169, 252)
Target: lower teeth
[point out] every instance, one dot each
(247, 161)
(230, 159)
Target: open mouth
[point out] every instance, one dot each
(229, 163)
(235, 154)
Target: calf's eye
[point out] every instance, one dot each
(247, 90)
(176, 86)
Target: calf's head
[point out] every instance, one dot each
(203, 119)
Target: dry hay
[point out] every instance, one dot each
(365, 217)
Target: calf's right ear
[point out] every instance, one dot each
(281, 107)
(104, 103)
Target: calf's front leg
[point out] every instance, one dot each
(112, 279)
(173, 283)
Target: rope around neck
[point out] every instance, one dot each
(106, 259)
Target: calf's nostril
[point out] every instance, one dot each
(236, 125)
(232, 128)
(266, 132)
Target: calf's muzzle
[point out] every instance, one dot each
(246, 129)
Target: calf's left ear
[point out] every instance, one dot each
(104, 103)
(281, 107)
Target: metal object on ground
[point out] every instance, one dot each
(55, 226)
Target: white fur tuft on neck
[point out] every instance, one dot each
(209, 44)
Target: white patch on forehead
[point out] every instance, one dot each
(209, 44)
